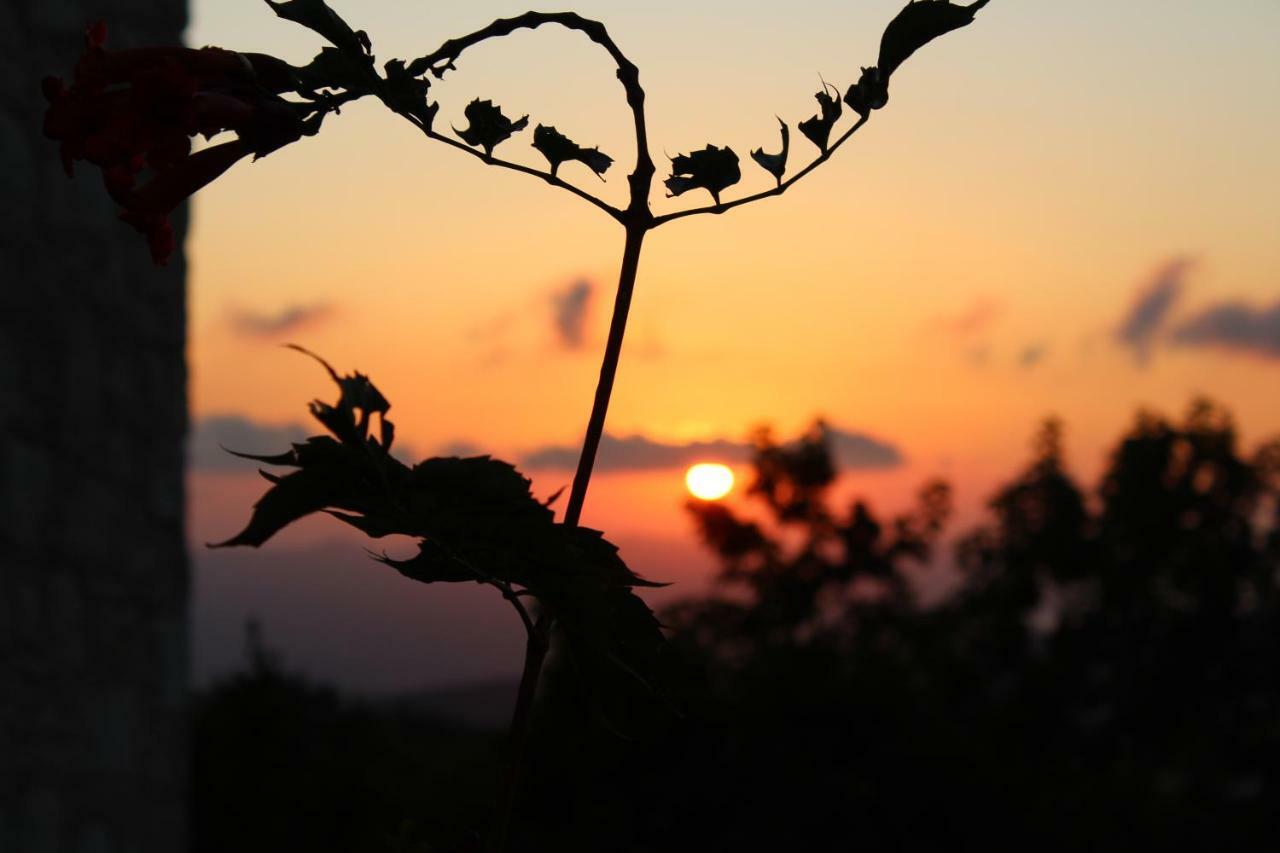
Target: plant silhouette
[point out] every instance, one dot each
(132, 113)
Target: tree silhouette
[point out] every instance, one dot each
(810, 578)
(1107, 674)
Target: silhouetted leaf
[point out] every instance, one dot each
(558, 148)
(349, 419)
(712, 169)
(488, 126)
(317, 16)
(476, 520)
(408, 94)
(612, 636)
(271, 459)
(332, 69)
(775, 164)
(919, 23)
(432, 564)
(331, 474)
(818, 128)
(869, 93)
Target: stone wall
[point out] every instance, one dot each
(93, 573)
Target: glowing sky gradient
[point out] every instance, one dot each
(956, 273)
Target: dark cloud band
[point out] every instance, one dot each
(638, 453)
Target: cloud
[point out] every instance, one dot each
(637, 453)
(288, 320)
(1032, 355)
(1154, 302)
(973, 321)
(855, 450)
(461, 447)
(210, 435)
(1234, 326)
(570, 308)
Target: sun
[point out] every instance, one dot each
(709, 481)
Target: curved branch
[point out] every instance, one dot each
(778, 190)
(641, 179)
(442, 59)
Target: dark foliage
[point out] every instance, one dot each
(919, 23)
(775, 164)
(817, 129)
(558, 148)
(476, 521)
(488, 126)
(133, 113)
(712, 169)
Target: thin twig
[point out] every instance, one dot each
(527, 170)
(778, 190)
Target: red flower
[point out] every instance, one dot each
(131, 111)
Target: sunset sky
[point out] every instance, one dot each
(1066, 208)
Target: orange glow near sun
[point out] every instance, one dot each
(709, 481)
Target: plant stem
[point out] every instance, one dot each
(539, 640)
(608, 370)
(518, 741)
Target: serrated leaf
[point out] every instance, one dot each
(818, 128)
(584, 546)
(775, 164)
(476, 520)
(617, 647)
(558, 148)
(407, 94)
(330, 475)
(595, 160)
(432, 564)
(712, 169)
(268, 459)
(553, 145)
(488, 127)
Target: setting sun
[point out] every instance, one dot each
(709, 481)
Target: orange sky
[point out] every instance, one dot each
(956, 273)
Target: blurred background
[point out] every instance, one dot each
(996, 383)
(1065, 212)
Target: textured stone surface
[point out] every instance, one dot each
(93, 574)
